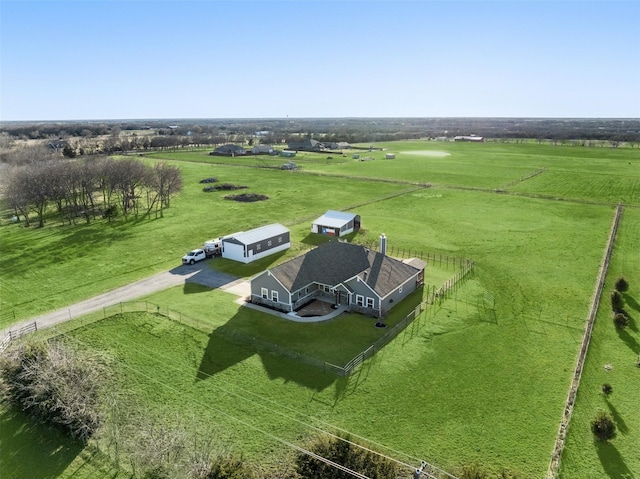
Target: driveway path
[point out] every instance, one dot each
(198, 273)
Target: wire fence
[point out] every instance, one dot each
(431, 297)
(561, 436)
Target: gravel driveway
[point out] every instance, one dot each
(199, 273)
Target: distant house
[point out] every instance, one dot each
(57, 146)
(390, 156)
(288, 153)
(361, 279)
(336, 223)
(468, 138)
(306, 145)
(248, 246)
(229, 150)
(263, 150)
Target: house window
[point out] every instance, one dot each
(269, 243)
(279, 239)
(360, 300)
(274, 296)
(258, 246)
(369, 302)
(264, 292)
(327, 289)
(400, 290)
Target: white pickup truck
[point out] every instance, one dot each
(213, 247)
(194, 255)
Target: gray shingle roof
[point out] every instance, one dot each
(335, 262)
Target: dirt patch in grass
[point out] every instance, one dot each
(247, 197)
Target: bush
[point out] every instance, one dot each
(54, 384)
(607, 389)
(343, 452)
(225, 467)
(622, 285)
(617, 302)
(247, 197)
(209, 180)
(603, 427)
(620, 320)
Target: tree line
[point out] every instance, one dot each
(89, 188)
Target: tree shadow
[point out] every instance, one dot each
(629, 340)
(620, 424)
(612, 461)
(30, 449)
(630, 300)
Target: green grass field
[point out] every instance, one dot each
(462, 385)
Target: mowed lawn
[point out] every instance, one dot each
(464, 385)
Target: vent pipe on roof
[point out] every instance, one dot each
(383, 244)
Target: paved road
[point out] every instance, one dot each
(198, 273)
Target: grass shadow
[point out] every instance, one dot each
(612, 461)
(30, 449)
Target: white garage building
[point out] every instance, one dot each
(336, 223)
(248, 246)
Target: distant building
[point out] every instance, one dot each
(468, 138)
(229, 150)
(390, 156)
(263, 150)
(288, 153)
(306, 145)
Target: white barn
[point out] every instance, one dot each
(248, 246)
(336, 223)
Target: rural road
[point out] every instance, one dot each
(198, 273)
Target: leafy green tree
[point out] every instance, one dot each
(617, 301)
(603, 427)
(620, 320)
(622, 285)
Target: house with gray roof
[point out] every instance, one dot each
(362, 280)
(229, 150)
(306, 145)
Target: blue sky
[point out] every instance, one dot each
(86, 59)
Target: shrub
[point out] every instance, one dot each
(620, 320)
(617, 302)
(56, 385)
(603, 427)
(622, 285)
(343, 452)
(209, 180)
(226, 467)
(607, 389)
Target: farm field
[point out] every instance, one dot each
(464, 385)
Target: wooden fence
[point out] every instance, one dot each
(15, 334)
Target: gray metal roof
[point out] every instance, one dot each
(334, 219)
(257, 234)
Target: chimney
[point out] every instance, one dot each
(383, 244)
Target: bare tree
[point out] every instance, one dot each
(165, 181)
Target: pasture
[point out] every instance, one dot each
(464, 385)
